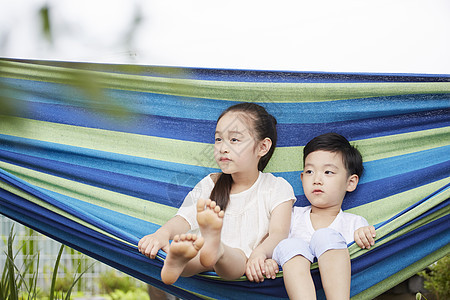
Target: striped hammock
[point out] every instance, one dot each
(96, 156)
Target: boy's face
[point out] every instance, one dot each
(325, 179)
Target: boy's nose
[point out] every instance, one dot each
(317, 179)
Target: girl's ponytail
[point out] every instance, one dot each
(221, 191)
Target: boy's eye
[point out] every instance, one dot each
(234, 140)
(218, 139)
(308, 172)
(329, 172)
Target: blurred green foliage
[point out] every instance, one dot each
(437, 278)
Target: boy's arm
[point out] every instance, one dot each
(364, 236)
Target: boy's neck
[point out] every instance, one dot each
(323, 217)
(326, 212)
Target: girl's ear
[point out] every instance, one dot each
(352, 182)
(264, 146)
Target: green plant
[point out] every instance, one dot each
(111, 281)
(437, 278)
(12, 279)
(129, 295)
(13, 284)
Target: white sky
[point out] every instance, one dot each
(385, 36)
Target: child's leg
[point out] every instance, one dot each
(232, 263)
(229, 263)
(334, 262)
(295, 256)
(335, 272)
(181, 258)
(297, 278)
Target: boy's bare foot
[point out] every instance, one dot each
(210, 221)
(182, 249)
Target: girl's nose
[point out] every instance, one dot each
(224, 147)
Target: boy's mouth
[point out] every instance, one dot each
(225, 159)
(317, 191)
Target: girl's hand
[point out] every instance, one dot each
(255, 269)
(150, 244)
(364, 236)
(272, 268)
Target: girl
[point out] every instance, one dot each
(241, 213)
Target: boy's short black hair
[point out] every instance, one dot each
(334, 142)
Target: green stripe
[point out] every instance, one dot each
(285, 159)
(134, 207)
(223, 90)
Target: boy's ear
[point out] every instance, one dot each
(264, 146)
(352, 182)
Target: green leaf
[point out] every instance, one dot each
(55, 272)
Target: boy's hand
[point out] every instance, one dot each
(271, 268)
(255, 269)
(364, 236)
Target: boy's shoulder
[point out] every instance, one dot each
(354, 219)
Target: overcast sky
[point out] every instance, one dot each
(384, 36)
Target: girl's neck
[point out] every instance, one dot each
(243, 181)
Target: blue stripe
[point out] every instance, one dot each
(208, 109)
(196, 130)
(301, 134)
(155, 191)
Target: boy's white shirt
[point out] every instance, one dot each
(247, 217)
(345, 223)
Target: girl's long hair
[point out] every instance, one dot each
(263, 126)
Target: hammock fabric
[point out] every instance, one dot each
(96, 156)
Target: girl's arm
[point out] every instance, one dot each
(150, 244)
(279, 225)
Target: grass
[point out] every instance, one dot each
(13, 284)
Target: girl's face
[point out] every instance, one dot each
(234, 147)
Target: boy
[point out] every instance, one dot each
(332, 167)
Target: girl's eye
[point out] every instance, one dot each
(308, 172)
(234, 140)
(329, 172)
(218, 139)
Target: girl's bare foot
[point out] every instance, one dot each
(182, 249)
(210, 221)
